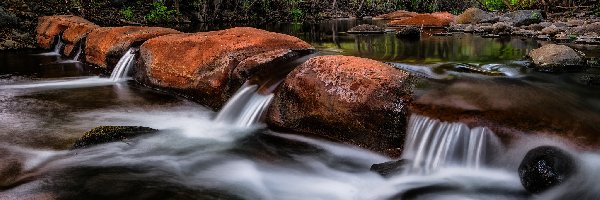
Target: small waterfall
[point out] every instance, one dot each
(432, 144)
(122, 67)
(59, 45)
(79, 50)
(245, 108)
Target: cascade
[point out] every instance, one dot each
(245, 108)
(79, 50)
(59, 45)
(123, 66)
(432, 144)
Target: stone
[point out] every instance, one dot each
(347, 99)
(502, 28)
(439, 19)
(210, 66)
(524, 17)
(457, 27)
(545, 167)
(50, 27)
(397, 15)
(74, 34)
(106, 134)
(587, 29)
(523, 32)
(409, 32)
(474, 16)
(470, 29)
(556, 58)
(390, 168)
(551, 30)
(575, 22)
(366, 28)
(105, 46)
(7, 19)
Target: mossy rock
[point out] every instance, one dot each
(106, 134)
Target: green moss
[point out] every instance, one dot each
(105, 134)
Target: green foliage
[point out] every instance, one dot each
(127, 13)
(160, 12)
(296, 14)
(493, 5)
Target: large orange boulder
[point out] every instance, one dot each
(105, 46)
(438, 19)
(347, 99)
(210, 66)
(73, 35)
(49, 27)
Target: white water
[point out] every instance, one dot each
(432, 144)
(56, 52)
(245, 108)
(123, 66)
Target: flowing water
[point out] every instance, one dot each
(202, 154)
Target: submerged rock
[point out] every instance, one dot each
(524, 17)
(390, 168)
(105, 46)
(545, 167)
(409, 32)
(210, 66)
(556, 58)
(475, 15)
(106, 134)
(49, 27)
(348, 99)
(366, 28)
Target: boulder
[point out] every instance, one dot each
(106, 134)
(551, 30)
(409, 32)
(348, 99)
(457, 27)
(474, 16)
(556, 58)
(502, 28)
(105, 46)
(587, 29)
(73, 35)
(439, 19)
(545, 167)
(366, 28)
(210, 66)
(49, 27)
(397, 15)
(524, 17)
(538, 26)
(390, 168)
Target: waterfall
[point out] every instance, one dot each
(432, 144)
(245, 108)
(79, 50)
(59, 45)
(122, 67)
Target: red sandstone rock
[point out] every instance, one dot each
(397, 15)
(51, 26)
(210, 66)
(73, 34)
(349, 99)
(439, 19)
(105, 46)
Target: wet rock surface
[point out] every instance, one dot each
(523, 17)
(546, 167)
(105, 46)
(203, 66)
(556, 58)
(475, 15)
(390, 168)
(106, 134)
(409, 32)
(347, 99)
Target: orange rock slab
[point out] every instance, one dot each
(105, 46)
(51, 26)
(438, 19)
(210, 66)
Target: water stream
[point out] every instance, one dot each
(201, 154)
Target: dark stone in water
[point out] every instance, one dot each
(366, 28)
(409, 32)
(390, 168)
(545, 167)
(106, 134)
